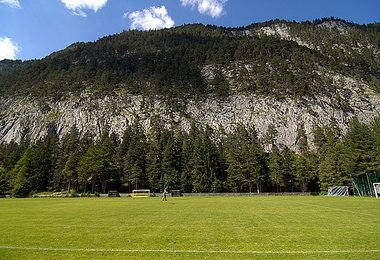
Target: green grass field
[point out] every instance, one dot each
(190, 228)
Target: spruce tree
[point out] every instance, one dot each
(68, 159)
(206, 163)
(133, 158)
(171, 163)
(270, 136)
(275, 169)
(290, 169)
(375, 128)
(257, 166)
(99, 165)
(4, 180)
(188, 157)
(331, 172)
(359, 152)
(237, 151)
(21, 177)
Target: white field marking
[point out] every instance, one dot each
(187, 251)
(338, 209)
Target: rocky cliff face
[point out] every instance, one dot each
(246, 98)
(20, 117)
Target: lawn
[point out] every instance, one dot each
(190, 228)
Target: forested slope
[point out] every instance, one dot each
(275, 106)
(276, 58)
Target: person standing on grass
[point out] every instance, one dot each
(164, 194)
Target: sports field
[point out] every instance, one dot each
(190, 228)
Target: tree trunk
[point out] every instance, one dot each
(68, 188)
(104, 186)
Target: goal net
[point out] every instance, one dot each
(338, 191)
(376, 189)
(141, 193)
(366, 184)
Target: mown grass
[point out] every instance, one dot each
(190, 228)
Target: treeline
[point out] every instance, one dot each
(201, 160)
(169, 62)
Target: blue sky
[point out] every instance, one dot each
(32, 29)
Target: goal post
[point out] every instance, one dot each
(140, 193)
(366, 184)
(376, 189)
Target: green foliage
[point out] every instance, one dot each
(4, 180)
(202, 160)
(99, 165)
(276, 171)
(21, 177)
(270, 135)
(194, 61)
(171, 163)
(206, 172)
(331, 171)
(169, 62)
(245, 157)
(34, 170)
(359, 149)
(220, 86)
(68, 159)
(302, 139)
(132, 154)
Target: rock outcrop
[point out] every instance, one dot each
(22, 117)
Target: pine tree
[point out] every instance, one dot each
(157, 139)
(133, 157)
(70, 171)
(270, 135)
(154, 168)
(21, 181)
(4, 180)
(290, 170)
(237, 144)
(206, 163)
(306, 170)
(319, 139)
(42, 162)
(68, 159)
(188, 147)
(302, 141)
(99, 165)
(359, 152)
(220, 84)
(375, 128)
(331, 172)
(257, 166)
(275, 170)
(171, 163)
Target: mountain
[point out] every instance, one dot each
(7, 65)
(280, 73)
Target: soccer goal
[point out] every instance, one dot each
(376, 189)
(338, 191)
(366, 184)
(141, 193)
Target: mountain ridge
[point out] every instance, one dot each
(305, 67)
(132, 56)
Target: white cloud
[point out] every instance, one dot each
(152, 18)
(8, 49)
(76, 6)
(11, 3)
(214, 8)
